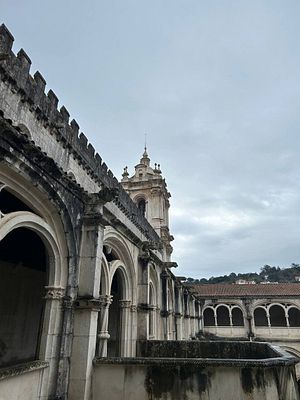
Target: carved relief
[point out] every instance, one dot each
(54, 293)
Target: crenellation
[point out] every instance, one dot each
(24, 60)
(98, 160)
(53, 99)
(65, 115)
(83, 141)
(6, 40)
(91, 151)
(40, 81)
(104, 168)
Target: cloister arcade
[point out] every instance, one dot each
(277, 315)
(262, 320)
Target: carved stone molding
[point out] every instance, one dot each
(103, 335)
(54, 293)
(105, 300)
(125, 303)
(68, 303)
(133, 308)
(91, 304)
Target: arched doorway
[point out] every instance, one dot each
(23, 269)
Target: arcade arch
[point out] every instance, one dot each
(118, 298)
(34, 274)
(277, 315)
(222, 315)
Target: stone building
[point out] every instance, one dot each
(89, 305)
(265, 313)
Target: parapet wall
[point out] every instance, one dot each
(15, 69)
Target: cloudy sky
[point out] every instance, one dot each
(216, 86)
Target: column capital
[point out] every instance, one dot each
(54, 293)
(105, 299)
(124, 303)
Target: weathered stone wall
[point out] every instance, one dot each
(192, 382)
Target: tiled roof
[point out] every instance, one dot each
(246, 290)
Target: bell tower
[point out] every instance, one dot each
(148, 189)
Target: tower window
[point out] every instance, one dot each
(142, 206)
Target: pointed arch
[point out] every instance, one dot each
(125, 261)
(25, 219)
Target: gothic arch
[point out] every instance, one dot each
(125, 262)
(118, 266)
(25, 219)
(49, 219)
(19, 184)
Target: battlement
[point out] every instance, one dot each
(15, 69)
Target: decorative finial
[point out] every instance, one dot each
(125, 173)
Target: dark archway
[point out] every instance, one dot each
(237, 317)
(10, 203)
(23, 271)
(223, 316)
(260, 317)
(277, 316)
(209, 317)
(114, 318)
(294, 317)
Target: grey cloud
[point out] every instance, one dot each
(217, 87)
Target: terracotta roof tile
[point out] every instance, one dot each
(234, 290)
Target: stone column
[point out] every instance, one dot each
(103, 335)
(165, 303)
(187, 314)
(143, 299)
(50, 337)
(178, 310)
(287, 317)
(125, 343)
(133, 324)
(87, 305)
(199, 317)
(249, 319)
(193, 328)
